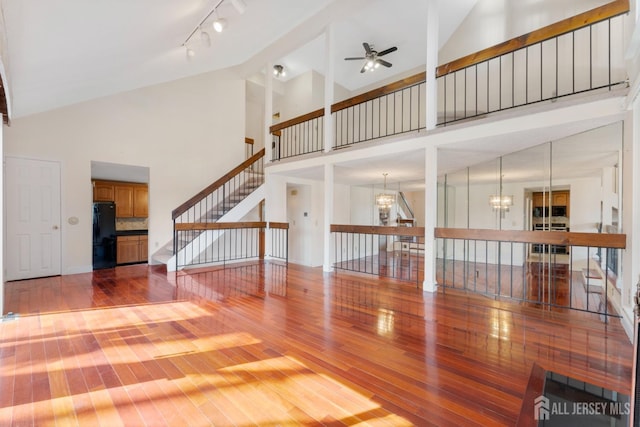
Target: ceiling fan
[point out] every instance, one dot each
(372, 58)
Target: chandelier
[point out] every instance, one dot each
(501, 202)
(385, 200)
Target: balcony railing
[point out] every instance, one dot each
(391, 110)
(214, 243)
(550, 269)
(580, 54)
(396, 252)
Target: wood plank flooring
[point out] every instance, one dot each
(267, 345)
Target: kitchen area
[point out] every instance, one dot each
(120, 221)
(548, 265)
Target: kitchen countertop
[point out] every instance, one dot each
(132, 232)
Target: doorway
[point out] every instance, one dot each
(32, 189)
(300, 229)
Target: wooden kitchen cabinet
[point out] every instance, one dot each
(140, 201)
(539, 200)
(143, 249)
(131, 199)
(560, 198)
(124, 201)
(127, 247)
(103, 191)
(132, 249)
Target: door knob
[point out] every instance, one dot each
(55, 227)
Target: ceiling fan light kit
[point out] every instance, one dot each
(372, 58)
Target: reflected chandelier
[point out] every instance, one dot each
(385, 200)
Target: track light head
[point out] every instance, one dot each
(219, 24)
(205, 38)
(278, 71)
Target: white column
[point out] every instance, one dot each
(430, 217)
(631, 213)
(268, 110)
(431, 89)
(328, 87)
(1, 219)
(327, 264)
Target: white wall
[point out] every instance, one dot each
(254, 114)
(493, 21)
(305, 93)
(299, 97)
(362, 210)
(188, 132)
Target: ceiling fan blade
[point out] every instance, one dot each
(364, 68)
(354, 58)
(384, 52)
(367, 48)
(383, 62)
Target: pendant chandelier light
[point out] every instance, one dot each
(385, 200)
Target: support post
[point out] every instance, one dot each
(268, 112)
(430, 217)
(327, 264)
(431, 87)
(328, 88)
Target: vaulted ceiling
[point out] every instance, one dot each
(67, 51)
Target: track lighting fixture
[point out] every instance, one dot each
(278, 71)
(218, 24)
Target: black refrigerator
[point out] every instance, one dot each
(104, 235)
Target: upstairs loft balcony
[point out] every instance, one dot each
(582, 54)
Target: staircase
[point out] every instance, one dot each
(406, 219)
(228, 199)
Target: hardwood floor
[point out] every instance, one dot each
(267, 345)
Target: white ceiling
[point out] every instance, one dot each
(67, 51)
(382, 24)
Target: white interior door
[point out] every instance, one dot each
(298, 208)
(32, 191)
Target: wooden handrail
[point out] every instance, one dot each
(381, 91)
(382, 230)
(217, 184)
(602, 240)
(248, 140)
(199, 226)
(359, 99)
(297, 120)
(559, 28)
(279, 225)
(184, 226)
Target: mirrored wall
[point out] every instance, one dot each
(572, 184)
